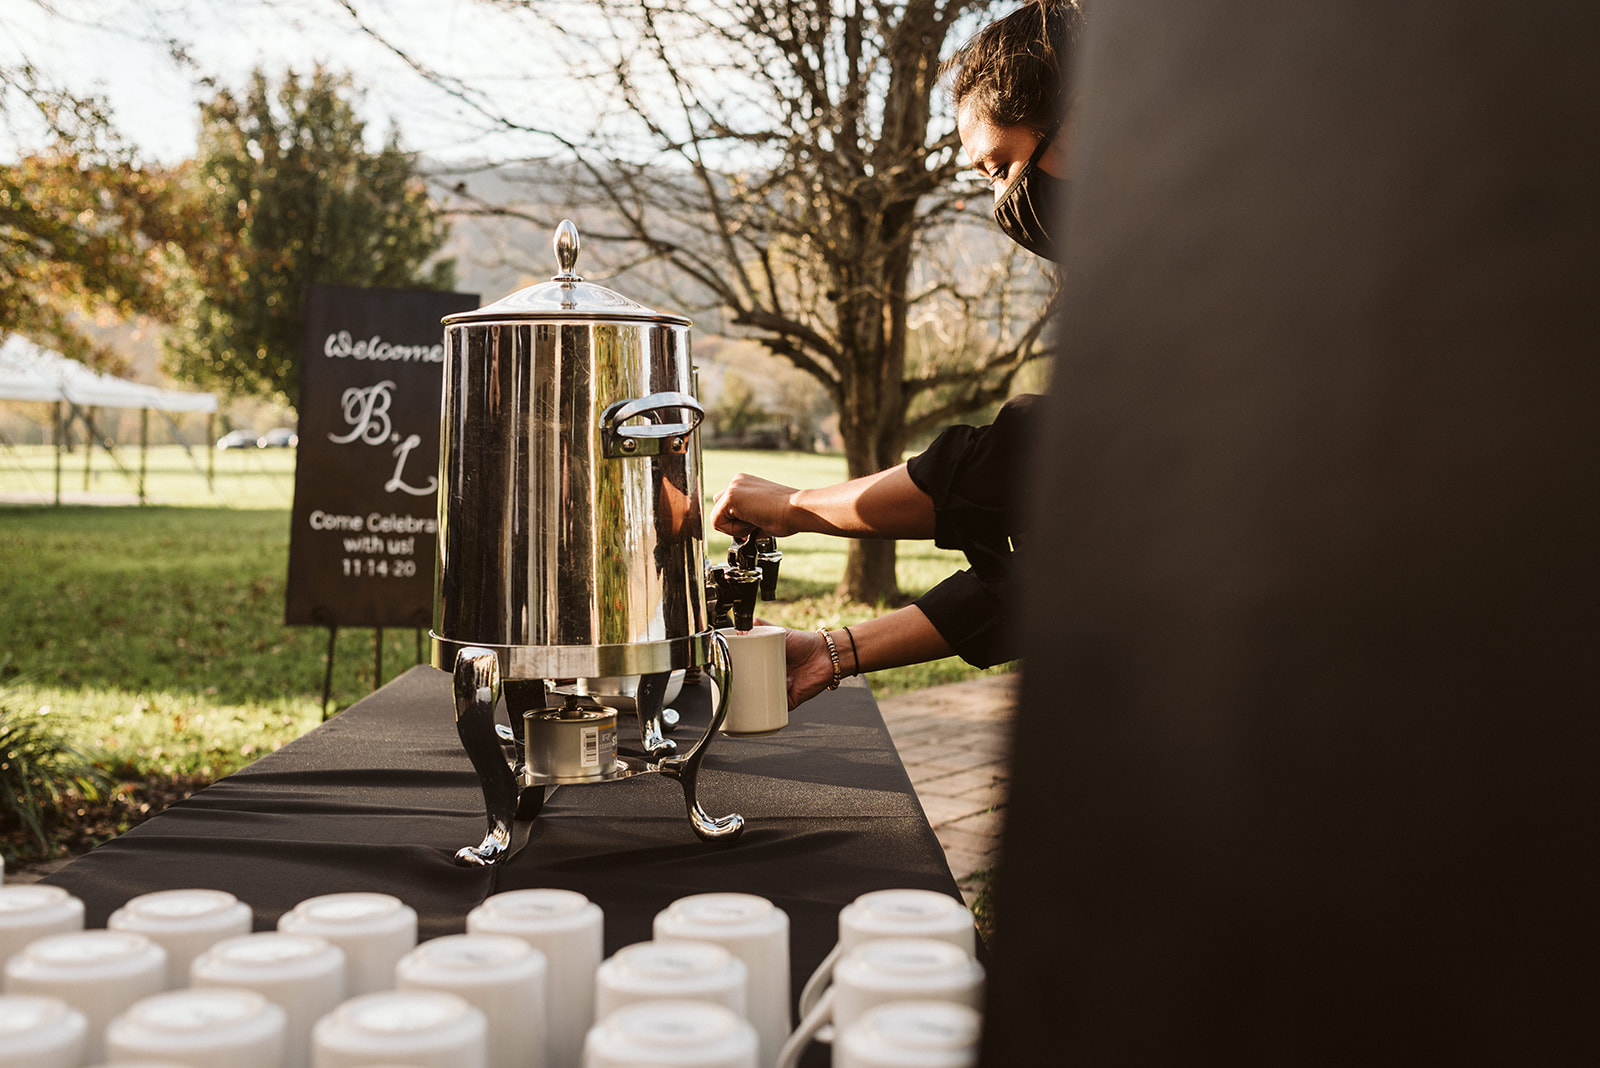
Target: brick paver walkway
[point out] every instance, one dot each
(952, 740)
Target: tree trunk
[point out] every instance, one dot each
(873, 440)
(872, 316)
(869, 573)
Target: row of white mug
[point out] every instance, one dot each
(347, 982)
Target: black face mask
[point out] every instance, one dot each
(1031, 206)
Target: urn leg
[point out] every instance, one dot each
(686, 768)
(530, 802)
(477, 691)
(648, 702)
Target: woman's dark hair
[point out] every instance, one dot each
(1018, 70)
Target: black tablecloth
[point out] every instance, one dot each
(380, 797)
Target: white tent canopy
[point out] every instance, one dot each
(31, 373)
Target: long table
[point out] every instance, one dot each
(380, 797)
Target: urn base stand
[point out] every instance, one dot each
(571, 744)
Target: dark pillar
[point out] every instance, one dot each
(1306, 757)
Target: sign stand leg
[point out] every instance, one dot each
(377, 658)
(327, 678)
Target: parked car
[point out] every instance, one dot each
(280, 437)
(238, 439)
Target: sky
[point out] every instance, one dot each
(117, 49)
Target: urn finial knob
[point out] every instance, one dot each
(566, 251)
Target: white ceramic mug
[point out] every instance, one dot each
(422, 1028)
(903, 913)
(569, 930)
(911, 1034)
(184, 923)
(41, 1032)
(500, 975)
(690, 1034)
(885, 970)
(757, 932)
(374, 930)
(99, 973)
(301, 974)
(34, 910)
(758, 699)
(220, 1025)
(674, 969)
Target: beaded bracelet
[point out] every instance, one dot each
(833, 654)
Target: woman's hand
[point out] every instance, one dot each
(752, 503)
(904, 636)
(808, 667)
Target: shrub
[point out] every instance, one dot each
(41, 772)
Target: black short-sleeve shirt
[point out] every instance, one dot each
(974, 476)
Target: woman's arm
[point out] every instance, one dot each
(882, 505)
(904, 636)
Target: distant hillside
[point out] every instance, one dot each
(499, 254)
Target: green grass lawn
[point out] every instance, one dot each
(155, 633)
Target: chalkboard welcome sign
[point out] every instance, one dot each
(361, 550)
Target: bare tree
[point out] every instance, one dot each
(789, 160)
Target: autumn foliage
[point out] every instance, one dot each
(283, 192)
(82, 233)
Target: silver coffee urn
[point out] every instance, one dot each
(571, 568)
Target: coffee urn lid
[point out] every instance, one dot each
(566, 297)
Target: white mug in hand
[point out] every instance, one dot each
(758, 698)
(690, 1034)
(885, 970)
(911, 1034)
(905, 913)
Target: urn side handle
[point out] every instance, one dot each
(654, 437)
